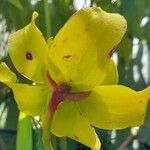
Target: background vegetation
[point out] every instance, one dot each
(132, 58)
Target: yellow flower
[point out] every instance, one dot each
(73, 77)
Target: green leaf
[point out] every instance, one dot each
(146, 31)
(46, 135)
(133, 9)
(24, 133)
(125, 49)
(16, 3)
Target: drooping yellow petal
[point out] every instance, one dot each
(6, 75)
(82, 48)
(69, 121)
(28, 50)
(115, 107)
(31, 99)
(111, 75)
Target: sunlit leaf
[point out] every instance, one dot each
(16, 3)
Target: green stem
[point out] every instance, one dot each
(46, 135)
(63, 143)
(54, 141)
(47, 18)
(24, 133)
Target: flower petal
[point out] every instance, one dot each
(111, 75)
(81, 50)
(28, 50)
(31, 99)
(6, 75)
(69, 121)
(115, 107)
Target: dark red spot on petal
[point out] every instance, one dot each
(64, 40)
(140, 101)
(80, 114)
(86, 29)
(51, 82)
(66, 56)
(29, 56)
(125, 27)
(62, 92)
(54, 45)
(77, 138)
(111, 52)
(22, 73)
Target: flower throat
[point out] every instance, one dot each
(61, 93)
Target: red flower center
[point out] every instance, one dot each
(61, 93)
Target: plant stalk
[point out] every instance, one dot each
(47, 18)
(63, 143)
(24, 133)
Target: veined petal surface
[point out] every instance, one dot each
(28, 50)
(81, 49)
(69, 121)
(115, 107)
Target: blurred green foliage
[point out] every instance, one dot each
(133, 59)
